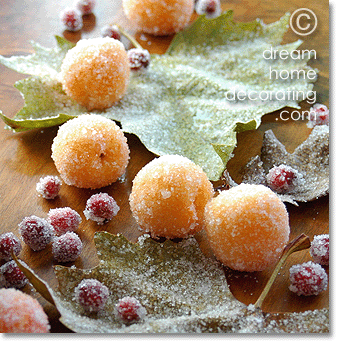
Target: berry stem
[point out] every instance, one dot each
(300, 243)
(129, 37)
(38, 284)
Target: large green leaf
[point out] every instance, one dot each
(182, 103)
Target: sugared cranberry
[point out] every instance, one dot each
(9, 242)
(12, 275)
(308, 279)
(49, 186)
(138, 58)
(129, 310)
(211, 8)
(36, 232)
(319, 115)
(101, 208)
(64, 219)
(67, 247)
(91, 294)
(111, 31)
(319, 249)
(85, 6)
(283, 179)
(71, 19)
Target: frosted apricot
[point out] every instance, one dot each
(90, 151)
(159, 17)
(95, 73)
(247, 227)
(168, 197)
(21, 313)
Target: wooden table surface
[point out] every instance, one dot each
(25, 157)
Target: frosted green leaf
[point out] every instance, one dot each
(182, 290)
(187, 101)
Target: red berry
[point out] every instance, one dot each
(85, 6)
(282, 178)
(91, 294)
(71, 19)
(111, 31)
(308, 279)
(9, 241)
(67, 247)
(36, 232)
(13, 277)
(64, 219)
(319, 115)
(211, 8)
(138, 59)
(319, 249)
(49, 186)
(129, 310)
(101, 208)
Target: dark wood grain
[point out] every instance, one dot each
(25, 157)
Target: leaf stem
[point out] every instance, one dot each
(129, 37)
(300, 243)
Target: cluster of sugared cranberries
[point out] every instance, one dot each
(319, 115)
(85, 6)
(319, 249)
(101, 208)
(307, 279)
(49, 186)
(71, 19)
(12, 276)
(139, 59)
(36, 232)
(67, 248)
(91, 295)
(64, 219)
(129, 310)
(283, 178)
(111, 31)
(210, 8)
(9, 242)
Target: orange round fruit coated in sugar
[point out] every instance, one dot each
(168, 197)
(21, 313)
(95, 73)
(159, 17)
(90, 151)
(247, 227)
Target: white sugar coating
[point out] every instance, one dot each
(169, 195)
(91, 294)
(319, 249)
(9, 241)
(85, 6)
(95, 73)
(64, 219)
(159, 17)
(12, 275)
(49, 186)
(21, 313)
(36, 232)
(90, 151)
(101, 208)
(307, 279)
(247, 227)
(67, 248)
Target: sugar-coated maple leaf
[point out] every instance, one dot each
(193, 99)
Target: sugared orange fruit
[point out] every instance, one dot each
(247, 227)
(90, 151)
(169, 195)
